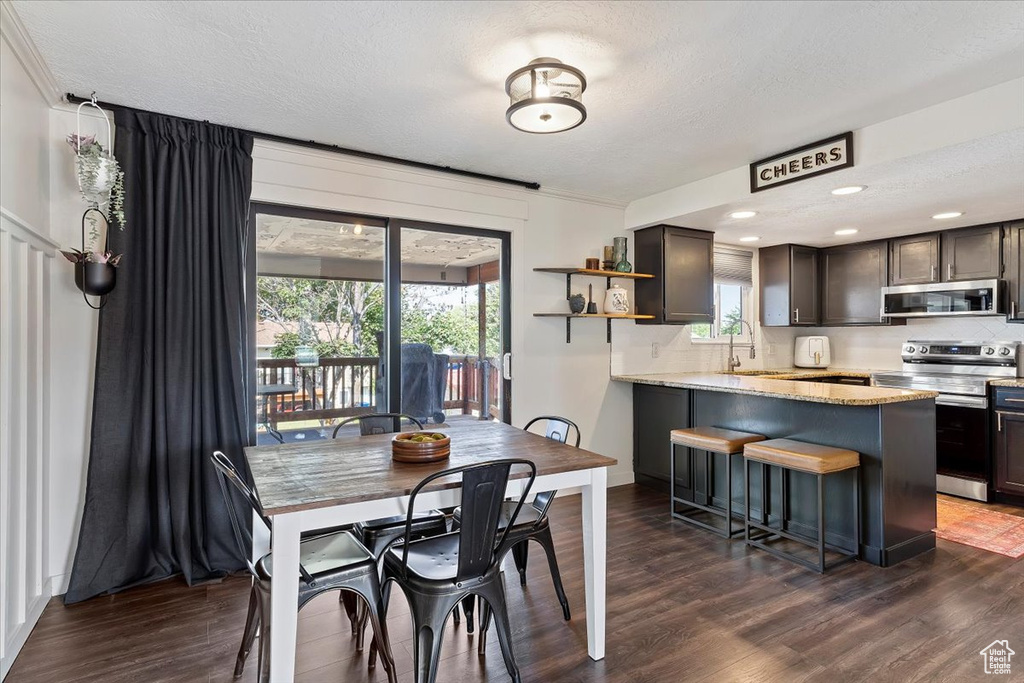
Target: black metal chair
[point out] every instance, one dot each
(330, 561)
(377, 423)
(436, 574)
(378, 534)
(532, 525)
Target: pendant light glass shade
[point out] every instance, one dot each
(546, 96)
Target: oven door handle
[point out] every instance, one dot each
(962, 401)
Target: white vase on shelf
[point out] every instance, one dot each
(616, 301)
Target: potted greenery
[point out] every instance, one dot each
(101, 182)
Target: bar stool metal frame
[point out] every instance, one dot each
(725, 513)
(768, 531)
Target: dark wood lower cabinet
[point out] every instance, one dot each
(895, 442)
(1009, 441)
(656, 412)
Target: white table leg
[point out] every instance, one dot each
(260, 538)
(595, 523)
(284, 598)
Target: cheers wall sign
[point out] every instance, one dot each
(824, 156)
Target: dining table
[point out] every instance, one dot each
(306, 486)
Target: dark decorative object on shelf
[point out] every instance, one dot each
(593, 264)
(620, 250)
(592, 306)
(609, 258)
(577, 302)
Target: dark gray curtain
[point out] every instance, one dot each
(171, 361)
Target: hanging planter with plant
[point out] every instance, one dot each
(101, 182)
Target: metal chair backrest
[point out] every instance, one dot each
(226, 473)
(557, 429)
(378, 423)
(483, 492)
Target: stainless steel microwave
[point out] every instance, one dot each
(973, 297)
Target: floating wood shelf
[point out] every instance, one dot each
(625, 316)
(595, 273)
(607, 316)
(609, 274)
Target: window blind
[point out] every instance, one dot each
(734, 266)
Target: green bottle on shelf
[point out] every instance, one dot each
(619, 251)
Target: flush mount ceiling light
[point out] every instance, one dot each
(752, 238)
(546, 96)
(948, 214)
(852, 189)
(742, 214)
(847, 231)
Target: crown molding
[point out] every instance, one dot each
(17, 37)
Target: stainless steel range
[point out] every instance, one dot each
(960, 371)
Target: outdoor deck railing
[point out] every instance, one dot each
(342, 387)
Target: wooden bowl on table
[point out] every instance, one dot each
(422, 446)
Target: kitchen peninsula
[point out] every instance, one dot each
(892, 429)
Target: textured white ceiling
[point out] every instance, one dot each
(321, 239)
(677, 91)
(983, 178)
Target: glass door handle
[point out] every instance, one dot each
(506, 366)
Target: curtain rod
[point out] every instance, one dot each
(313, 144)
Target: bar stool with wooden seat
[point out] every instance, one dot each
(711, 441)
(797, 456)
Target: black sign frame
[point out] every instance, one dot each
(847, 137)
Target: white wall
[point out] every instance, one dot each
(878, 348)
(26, 256)
(73, 328)
(632, 352)
(549, 376)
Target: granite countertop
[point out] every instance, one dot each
(780, 386)
(1012, 382)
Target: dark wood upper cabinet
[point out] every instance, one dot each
(852, 277)
(1013, 250)
(683, 264)
(788, 281)
(914, 260)
(972, 253)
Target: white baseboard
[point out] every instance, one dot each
(59, 584)
(16, 639)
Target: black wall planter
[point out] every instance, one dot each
(95, 279)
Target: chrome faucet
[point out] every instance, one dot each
(734, 360)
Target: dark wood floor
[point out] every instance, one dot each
(682, 606)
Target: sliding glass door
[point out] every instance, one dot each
(354, 314)
(452, 303)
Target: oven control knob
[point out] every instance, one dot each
(989, 350)
(1005, 351)
(923, 349)
(910, 349)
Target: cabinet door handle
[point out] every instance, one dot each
(949, 271)
(933, 273)
(796, 312)
(1013, 310)
(1015, 400)
(999, 420)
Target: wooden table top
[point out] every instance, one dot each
(304, 476)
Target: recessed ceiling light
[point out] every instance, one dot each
(742, 214)
(847, 231)
(948, 214)
(850, 189)
(752, 238)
